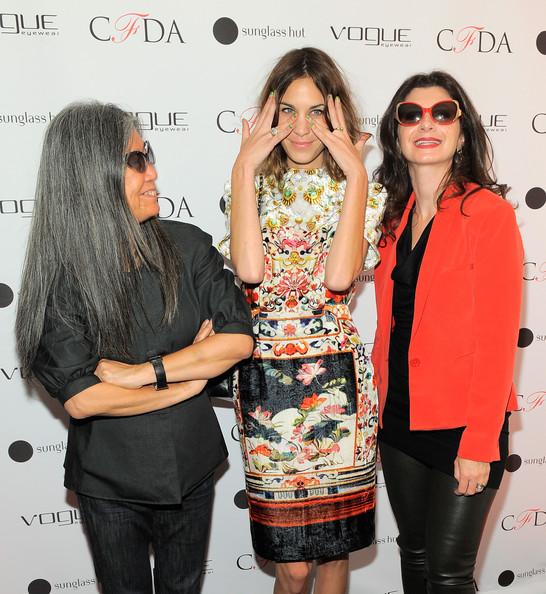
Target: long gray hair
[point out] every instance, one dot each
(85, 247)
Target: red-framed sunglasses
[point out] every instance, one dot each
(138, 160)
(444, 112)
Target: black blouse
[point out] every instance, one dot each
(160, 456)
(435, 448)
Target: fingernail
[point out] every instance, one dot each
(337, 98)
(290, 126)
(271, 93)
(329, 95)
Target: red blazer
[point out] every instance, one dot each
(466, 321)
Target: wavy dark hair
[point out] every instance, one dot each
(86, 251)
(329, 79)
(473, 163)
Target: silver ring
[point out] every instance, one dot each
(480, 488)
(340, 128)
(274, 131)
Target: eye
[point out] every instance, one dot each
(317, 113)
(287, 110)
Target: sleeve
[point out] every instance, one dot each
(220, 299)
(375, 207)
(66, 359)
(223, 246)
(498, 273)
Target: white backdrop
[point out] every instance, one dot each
(191, 72)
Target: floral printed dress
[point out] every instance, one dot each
(305, 402)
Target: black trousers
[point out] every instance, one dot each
(121, 533)
(440, 532)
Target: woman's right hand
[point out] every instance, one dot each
(256, 144)
(204, 331)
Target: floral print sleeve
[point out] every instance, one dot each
(377, 197)
(223, 246)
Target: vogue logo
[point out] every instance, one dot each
(533, 517)
(66, 517)
(481, 40)
(11, 373)
(173, 208)
(534, 271)
(496, 122)
(134, 24)
(377, 36)
(231, 122)
(38, 25)
(170, 121)
(22, 207)
(538, 123)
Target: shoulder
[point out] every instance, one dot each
(481, 205)
(185, 234)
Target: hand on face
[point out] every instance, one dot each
(258, 143)
(338, 142)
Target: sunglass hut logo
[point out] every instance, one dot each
(135, 25)
(473, 38)
(373, 36)
(27, 25)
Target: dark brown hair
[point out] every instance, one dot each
(473, 163)
(327, 76)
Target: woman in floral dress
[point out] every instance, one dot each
(302, 221)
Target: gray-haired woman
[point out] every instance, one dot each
(123, 318)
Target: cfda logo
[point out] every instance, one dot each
(473, 36)
(533, 517)
(135, 25)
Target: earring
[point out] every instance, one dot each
(458, 157)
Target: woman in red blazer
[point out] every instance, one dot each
(448, 293)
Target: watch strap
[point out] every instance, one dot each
(160, 375)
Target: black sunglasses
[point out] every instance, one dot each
(138, 160)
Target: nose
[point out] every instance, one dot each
(426, 122)
(150, 173)
(301, 125)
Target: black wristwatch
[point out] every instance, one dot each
(160, 375)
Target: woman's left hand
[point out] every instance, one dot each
(472, 476)
(338, 142)
(124, 375)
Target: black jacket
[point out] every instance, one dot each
(160, 456)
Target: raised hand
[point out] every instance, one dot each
(338, 142)
(256, 144)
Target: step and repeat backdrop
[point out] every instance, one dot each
(191, 72)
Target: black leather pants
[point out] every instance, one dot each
(440, 532)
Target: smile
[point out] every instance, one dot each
(427, 142)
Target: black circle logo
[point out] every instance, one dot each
(223, 205)
(6, 295)
(39, 587)
(535, 198)
(20, 451)
(513, 463)
(541, 42)
(225, 31)
(241, 500)
(525, 337)
(506, 578)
